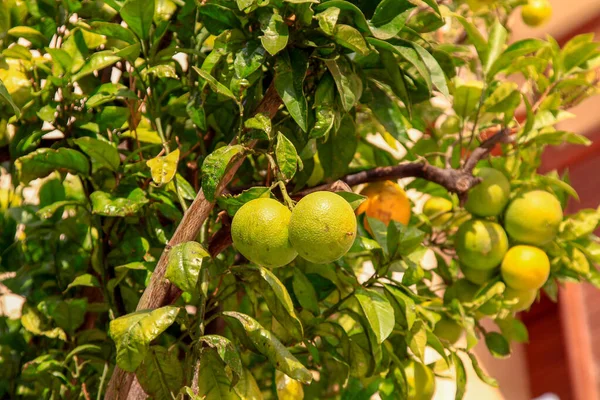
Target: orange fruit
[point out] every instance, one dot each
(260, 233)
(322, 227)
(525, 268)
(386, 202)
(480, 244)
(479, 276)
(533, 218)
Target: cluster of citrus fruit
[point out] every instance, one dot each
(321, 228)
(485, 248)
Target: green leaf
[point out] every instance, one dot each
(337, 153)
(378, 312)
(287, 158)
(42, 162)
(324, 105)
(109, 92)
(275, 33)
(163, 169)
(138, 15)
(578, 50)
(388, 113)
(438, 78)
(247, 388)
(481, 373)
(87, 280)
(466, 98)
(260, 122)
(305, 292)
(476, 38)
(233, 203)
(100, 151)
(396, 75)
(461, 377)
(290, 70)
(213, 382)
(354, 199)
(579, 225)
(328, 19)
(184, 263)
(97, 61)
(390, 17)
(33, 35)
(113, 30)
(215, 166)
(276, 296)
(215, 85)
(249, 59)
(512, 52)
(348, 83)
(417, 339)
(267, 344)
(35, 323)
(160, 374)
(228, 354)
(504, 99)
(109, 205)
(348, 8)
(217, 18)
(7, 98)
(133, 333)
(496, 43)
(51, 209)
(350, 38)
(404, 306)
(497, 345)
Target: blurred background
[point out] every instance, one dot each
(562, 360)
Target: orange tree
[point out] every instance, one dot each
(133, 131)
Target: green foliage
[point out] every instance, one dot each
(120, 113)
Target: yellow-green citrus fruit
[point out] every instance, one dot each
(524, 298)
(489, 197)
(480, 244)
(536, 12)
(479, 276)
(438, 210)
(421, 381)
(322, 227)
(260, 232)
(525, 268)
(533, 218)
(317, 173)
(448, 329)
(578, 261)
(386, 202)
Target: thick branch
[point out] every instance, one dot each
(161, 292)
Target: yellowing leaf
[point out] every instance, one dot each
(163, 168)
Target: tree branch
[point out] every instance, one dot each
(161, 292)
(458, 181)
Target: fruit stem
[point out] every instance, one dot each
(286, 197)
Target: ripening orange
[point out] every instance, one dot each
(386, 201)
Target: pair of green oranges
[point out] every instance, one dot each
(321, 229)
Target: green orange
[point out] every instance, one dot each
(421, 381)
(480, 244)
(322, 227)
(524, 298)
(479, 276)
(525, 268)
(260, 233)
(438, 210)
(448, 329)
(489, 197)
(533, 218)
